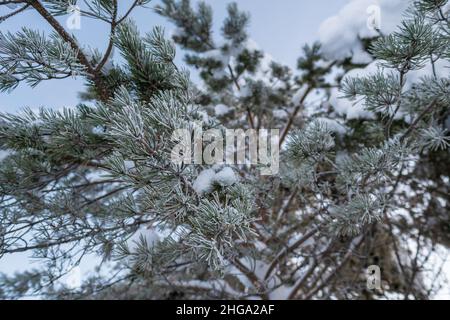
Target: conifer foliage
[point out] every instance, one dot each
(97, 181)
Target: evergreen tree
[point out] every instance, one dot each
(99, 179)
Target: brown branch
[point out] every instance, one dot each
(236, 83)
(249, 275)
(134, 5)
(12, 14)
(399, 103)
(286, 207)
(302, 281)
(294, 114)
(336, 271)
(280, 257)
(111, 39)
(69, 240)
(299, 106)
(420, 117)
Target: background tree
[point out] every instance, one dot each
(352, 191)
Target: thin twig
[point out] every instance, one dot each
(95, 75)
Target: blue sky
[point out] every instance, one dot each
(279, 27)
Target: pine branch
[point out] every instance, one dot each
(95, 75)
